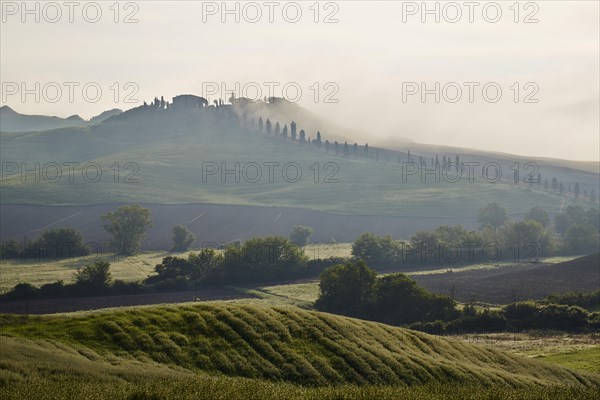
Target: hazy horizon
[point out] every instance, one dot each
(368, 57)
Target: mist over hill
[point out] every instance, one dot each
(269, 153)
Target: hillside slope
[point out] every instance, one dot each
(163, 156)
(278, 344)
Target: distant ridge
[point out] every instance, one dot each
(12, 121)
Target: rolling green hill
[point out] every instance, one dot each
(158, 157)
(268, 343)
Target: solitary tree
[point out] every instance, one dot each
(182, 238)
(269, 127)
(293, 130)
(127, 226)
(300, 235)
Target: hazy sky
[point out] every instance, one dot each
(372, 57)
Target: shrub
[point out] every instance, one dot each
(346, 288)
(300, 235)
(520, 315)
(94, 277)
(260, 259)
(182, 238)
(379, 250)
(484, 321)
(561, 317)
(61, 243)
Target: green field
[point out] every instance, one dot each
(576, 351)
(582, 360)
(193, 349)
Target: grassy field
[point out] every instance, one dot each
(37, 273)
(581, 360)
(576, 351)
(223, 388)
(191, 349)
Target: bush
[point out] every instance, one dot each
(378, 250)
(300, 235)
(521, 315)
(182, 238)
(195, 268)
(122, 287)
(22, 291)
(346, 288)
(62, 243)
(94, 277)
(55, 289)
(529, 315)
(590, 301)
(484, 321)
(353, 289)
(262, 259)
(55, 243)
(561, 317)
(435, 327)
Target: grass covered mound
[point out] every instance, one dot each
(268, 343)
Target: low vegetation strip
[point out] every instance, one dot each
(224, 388)
(272, 343)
